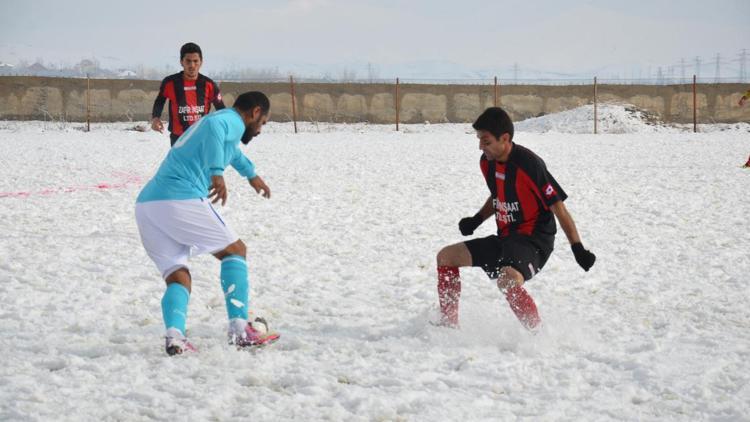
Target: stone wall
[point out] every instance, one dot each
(36, 98)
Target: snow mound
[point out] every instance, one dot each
(612, 118)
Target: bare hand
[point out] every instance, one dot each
(218, 190)
(157, 125)
(742, 101)
(259, 185)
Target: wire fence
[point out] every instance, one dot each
(502, 81)
(398, 101)
(225, 77)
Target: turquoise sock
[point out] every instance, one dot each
(174, 306)
(235, 286)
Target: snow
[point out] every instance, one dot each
(612, 118)
(342, 264)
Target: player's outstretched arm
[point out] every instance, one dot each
(157, 125)
(159, 102)
(584, 258)
(260, 186)
(467, 225)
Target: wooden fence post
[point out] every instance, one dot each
(495, 101)
(294, 103)
(88, 104)
(695, 106)
(398, 108)
(596, 100)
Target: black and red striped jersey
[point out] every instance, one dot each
(523, 191)
(188, 100)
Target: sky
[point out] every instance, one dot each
(566, 38)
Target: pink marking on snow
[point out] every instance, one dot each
(14, 194)
(127, 179)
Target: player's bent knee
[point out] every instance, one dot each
(454, 256)
(181, 273)
(509, 277)
(181, 276)
(443, 257)
(236, 248)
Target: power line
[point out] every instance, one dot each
(682, 68)
(743, 61)
(718, 67)
(697, 66)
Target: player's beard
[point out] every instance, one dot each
(248, 135)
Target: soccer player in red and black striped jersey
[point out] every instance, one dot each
(524, 199)
(190, 94)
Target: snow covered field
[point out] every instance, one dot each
(342, 264)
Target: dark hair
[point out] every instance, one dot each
(495, 121)
(252, 99)
(188, 48)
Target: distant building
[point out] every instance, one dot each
(86, 66)
(6, 69)
(126, 73)
(37, 67)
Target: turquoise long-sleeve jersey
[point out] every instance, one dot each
(204, 150)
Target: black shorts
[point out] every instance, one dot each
(520, 252)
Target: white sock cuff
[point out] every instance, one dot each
(174, 333)
(237, 325)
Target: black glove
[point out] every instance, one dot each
(469, 224)
(584, 258)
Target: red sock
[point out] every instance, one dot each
(523, 306)
(449, 293)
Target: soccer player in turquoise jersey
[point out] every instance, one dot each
(176, 219)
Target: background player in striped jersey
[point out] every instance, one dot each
(525, 199)
(190, 94)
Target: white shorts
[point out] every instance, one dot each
(174, 230)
